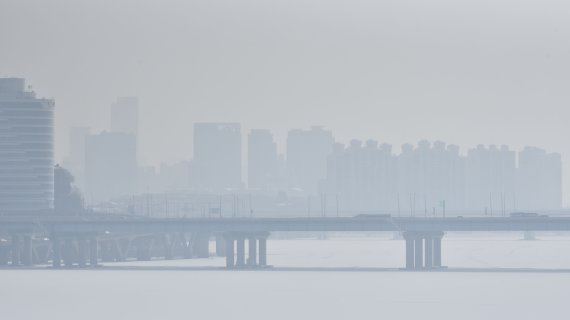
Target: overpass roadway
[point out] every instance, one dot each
(422, 235)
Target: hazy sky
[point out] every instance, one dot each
(466, 72)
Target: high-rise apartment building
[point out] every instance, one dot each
(26, 150)
(539, 180)
(307, 152)
(490, 179)
(361, 178)
(262, 160)
(217, 157)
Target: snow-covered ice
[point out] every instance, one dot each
(143, 290)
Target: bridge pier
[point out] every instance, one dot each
(252, 259)
(419, 253)
(15, 250)
(202, 245)
(263, 250)
(143, 246)
(93, 252)
(428, 242)
(423, 250)
(220, 246)
(437, 250)
(27, 251)
(82, 252)
(56, 251)
(240, 261)
(410, 263)
(4, 255)
(230, 251)
(68, 252)
(257, 249)
(168, 246)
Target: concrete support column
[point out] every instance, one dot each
(220, 246)
(15, 250)
(429, 252)
(230, 259)
(167, 246)
(202, 245)
(263, 251)
(252, 258)
(68, 252)
(27, 252)
(105, 250)
(410, 264)
(119, 248)
(82, 252)
(409, 251)
(437, 251)
(240, 261)
(186, 246)
(56, 251)
(93, 252)
(3, 256)
(419, 253)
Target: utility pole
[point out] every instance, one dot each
(337, 205)
(398, 202)
(309, 206)
(220, 205)
(250, 209)
(491, 203)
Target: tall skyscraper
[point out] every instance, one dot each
(26, 150)
(362, 178)
(217, 156)
(307, 152)
(110, 166)
(539, 180)
(125, 115)
(490, 179)
(262, 160)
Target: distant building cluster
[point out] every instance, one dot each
(105, 164)
(314, 174)
(428, 179)
(319, 175)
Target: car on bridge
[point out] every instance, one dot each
(526, 215)
(373, 215)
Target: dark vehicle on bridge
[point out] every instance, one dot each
(372, 215)
(526, 215)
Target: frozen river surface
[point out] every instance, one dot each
(363, 283)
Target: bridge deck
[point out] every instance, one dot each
(97, 225)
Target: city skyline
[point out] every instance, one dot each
(284, 159)
(398, 76)
(363, 177)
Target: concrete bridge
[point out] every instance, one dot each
(91, 239)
